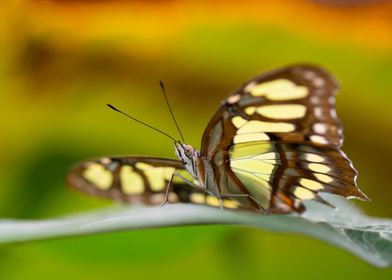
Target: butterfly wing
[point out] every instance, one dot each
(278, 137)
(142, 180)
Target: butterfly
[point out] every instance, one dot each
(273, 144)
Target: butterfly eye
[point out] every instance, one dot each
(188, 151)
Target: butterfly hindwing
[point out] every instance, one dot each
(279, 138)
(291, 173)
(138, 179)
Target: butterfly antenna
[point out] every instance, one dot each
(170, 109)
(143, 123)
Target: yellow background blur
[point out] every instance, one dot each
(62, 61)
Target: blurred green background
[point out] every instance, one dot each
(62, 61)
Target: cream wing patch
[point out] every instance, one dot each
(247, 150)
(253, 169)
(98, 176)
(266, 156)
(312, 157)
(248, 178)
(201, 198)
(232, 204)
(323, 178)
(254, 126)
(277, 127)
(280, 89)
(251, 127)
(250, 110)
(319, 168)
(259, 126)
(311, 185)
(303, 193)
(238, 121)
(198, 198)
(131, 182)
(156, 176)
(287, 111)
(252, 165)
(212, 200)
(250, 137)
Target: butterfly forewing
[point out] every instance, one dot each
(293, 104)
(138, 180)
(278, 136)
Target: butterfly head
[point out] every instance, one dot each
(189, 156)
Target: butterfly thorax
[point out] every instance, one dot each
(192, 161)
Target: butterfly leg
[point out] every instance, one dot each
(201, 189)
(166, 199)
(191, 184)
(220, 202)
(261, 208)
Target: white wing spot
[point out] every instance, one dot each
(318, 139)
(309, 75)
(315, 100)
(333, 113)
(233, 99)
(314, 78)
(106, 160)
(318, 112)
(318, 82)
(320, 128)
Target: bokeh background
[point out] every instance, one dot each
(62, 61)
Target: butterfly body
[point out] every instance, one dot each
(273, 144)
(199, 168)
